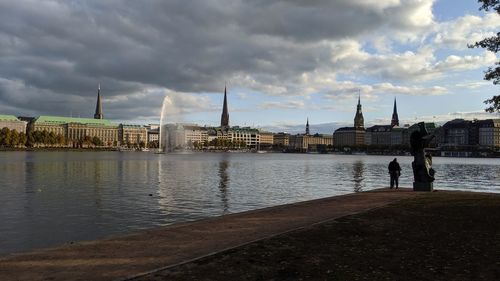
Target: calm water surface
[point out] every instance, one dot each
(52, 198)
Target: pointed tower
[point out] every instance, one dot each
(98, 107)
(307, 126)
(224, 119)
(358, 119)
(395, 118)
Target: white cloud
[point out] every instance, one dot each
(442, 118)
(296, 104)
(457, 63)
(472, 84)
(466, 30)
(388, 88)
(349, 89)
(348, 57)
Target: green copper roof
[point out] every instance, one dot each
(65, 120)
(8, 118)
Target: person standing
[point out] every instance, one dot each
(394, 172)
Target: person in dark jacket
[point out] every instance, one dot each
(394, 172)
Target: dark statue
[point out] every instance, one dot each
(422, 164)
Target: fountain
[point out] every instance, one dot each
(171, 135)
(163, 132)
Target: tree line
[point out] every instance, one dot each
(12, 138)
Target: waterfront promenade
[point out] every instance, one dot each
(121, 258)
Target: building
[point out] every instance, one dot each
(98, 108)
(457, 133)
(224, 119)
(188, 136)
(489, 133)
(266, 139)
(281, 139)
(153, 133)
(319, 142)
(351, 136)
(307, 142)
(76, 129)
(460, 134)
(13, 123)
(133, 135)
(303, 142)
(386, 135)
(379, 135)
(399, 136)
(359, 121)
(195, 134)
(395, 118)
(250, 136)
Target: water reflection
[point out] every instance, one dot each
(164, 194)
(224, 184)
(357, 175)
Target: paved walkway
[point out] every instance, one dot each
(121, 258)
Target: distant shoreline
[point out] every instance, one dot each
(107, 149)
(55, 149)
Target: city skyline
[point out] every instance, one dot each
(296, 129)
(278, 73)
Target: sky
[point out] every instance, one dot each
(282, 61)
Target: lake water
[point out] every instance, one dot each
(52, 198)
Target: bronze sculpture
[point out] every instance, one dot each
(422, 164)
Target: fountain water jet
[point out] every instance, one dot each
(162, 134)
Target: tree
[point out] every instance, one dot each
(60, 139)
(6, 136)
(22, 139)
(96, 141)
(87, 140)
(492, 44)
(152, 144)
(142, 144)
(14, 138)
(52, 138)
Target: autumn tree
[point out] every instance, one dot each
(492, 44)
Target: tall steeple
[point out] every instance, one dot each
(395, 118)
(307, 126)
(98, 107)
(358, 119)
(224, 119)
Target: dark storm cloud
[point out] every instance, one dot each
(53, 53)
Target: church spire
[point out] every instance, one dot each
(224, 119)
(395, 118)
(307, 126)
(358, 119)
(98, 107)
